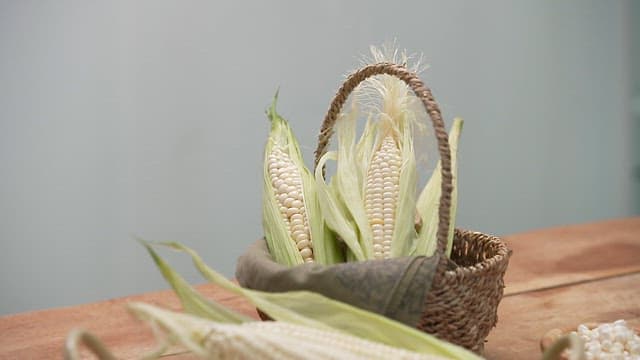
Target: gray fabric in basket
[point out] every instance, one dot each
(395, 288)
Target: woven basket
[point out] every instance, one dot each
(461, 306)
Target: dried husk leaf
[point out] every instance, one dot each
(429, 201)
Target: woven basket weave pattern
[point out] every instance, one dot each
(462, 304)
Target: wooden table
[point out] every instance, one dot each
(556, 278)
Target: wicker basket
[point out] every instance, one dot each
(461, 306)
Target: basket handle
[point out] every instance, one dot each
(430, 105)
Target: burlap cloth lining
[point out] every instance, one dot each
(396, 288)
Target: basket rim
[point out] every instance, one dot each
(503, 253)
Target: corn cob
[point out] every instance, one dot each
(266, 340)
(381, 195)
(287, 183)
(375, 181)
(294, 226)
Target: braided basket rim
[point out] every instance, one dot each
(502, 254)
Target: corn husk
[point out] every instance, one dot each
(192, 301)
(281, 245)
(79, 337)
(342, 201)
(570, 345)
(429, 201)
(336, 212)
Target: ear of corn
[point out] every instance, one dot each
(293, 223)
(265, 340)
(375, 179)
(387, 156)
(254, 340)
(429, 201)
(317, 311)
(389, 188)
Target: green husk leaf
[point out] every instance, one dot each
(79, 336)
(281, 245)
(404, 232)
(187, 330)
(223, 282)
(326, 248)
(192, 301)
(336, 214)
(311, 309)
(347, 182)
(363, 148)
(571, 343)
(429, 201)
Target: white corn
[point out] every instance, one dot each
(252, 340)
(266, 340)
(287, 186)
(279, 340)
(294, 226)
(612, 340)
(381, 195)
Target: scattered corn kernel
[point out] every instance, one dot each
(610, 341)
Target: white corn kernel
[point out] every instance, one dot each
(610, 341)
(381, 194)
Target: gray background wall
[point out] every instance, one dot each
(146, 118)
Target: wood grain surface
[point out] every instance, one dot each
(570, 254)
(41, 334)
(557, 277)
(523, 319)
